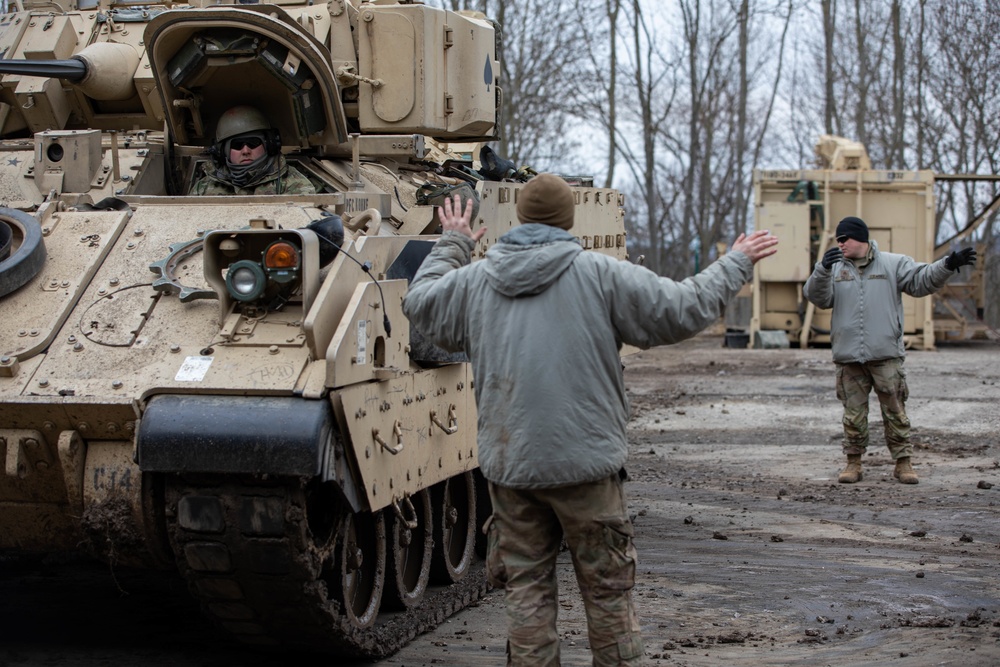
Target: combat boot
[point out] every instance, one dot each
(904, 471)
(852, 473)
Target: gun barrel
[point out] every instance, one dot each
(72, 69)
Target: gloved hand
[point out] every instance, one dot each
(831, 257)
(959, 258)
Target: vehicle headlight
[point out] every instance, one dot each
(245, 280)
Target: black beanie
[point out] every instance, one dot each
(853, 228)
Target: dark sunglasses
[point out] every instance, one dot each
(842, 239)
(252, 142)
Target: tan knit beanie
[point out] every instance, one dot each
(547, 200)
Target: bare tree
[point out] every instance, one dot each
(597, 104)
(702, 153)
(654, 88)
(770, 64)
(894, 154)
(962, 123)
(920, 59)
(829, 80)
(743, 19)
(684, 96)
(860, 101)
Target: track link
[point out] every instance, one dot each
(247, 551)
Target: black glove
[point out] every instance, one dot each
(959, 258)
(831, 257)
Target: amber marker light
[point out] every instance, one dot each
(281, 255)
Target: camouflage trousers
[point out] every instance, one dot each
(524, 535)
(854, 384)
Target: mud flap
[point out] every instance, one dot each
(235, 434)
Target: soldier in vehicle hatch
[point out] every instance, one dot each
(863, 286)
(247, 159)
(543, 322)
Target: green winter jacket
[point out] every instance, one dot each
(543, 322)
(867, 322)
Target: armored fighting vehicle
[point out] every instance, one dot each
(225, 384)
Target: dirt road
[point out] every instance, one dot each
(750, 551)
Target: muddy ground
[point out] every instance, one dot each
(750, 551)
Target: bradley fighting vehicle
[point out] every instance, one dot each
(226, 385)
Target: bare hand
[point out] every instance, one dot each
(456, 219)
(757, 246)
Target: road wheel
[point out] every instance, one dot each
(411, 541)
(361, 566)
(454, 528)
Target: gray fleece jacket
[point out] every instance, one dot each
(867, 320)
(543, 323)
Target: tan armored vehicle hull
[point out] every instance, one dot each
(173, 396)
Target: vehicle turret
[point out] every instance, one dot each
(327, 69)
(101, 71)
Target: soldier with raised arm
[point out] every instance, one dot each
(864, 285)
(543, 323)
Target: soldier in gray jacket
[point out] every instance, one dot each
(864, 287)
(542, 323)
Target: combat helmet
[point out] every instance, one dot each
(244, 119)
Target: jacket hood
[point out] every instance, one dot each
(870, 256)
(528, 259)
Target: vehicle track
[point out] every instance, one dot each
(263, 567)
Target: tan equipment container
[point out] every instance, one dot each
(226, 385)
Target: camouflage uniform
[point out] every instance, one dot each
(854, 384)
(288, 181)
(524, 537)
